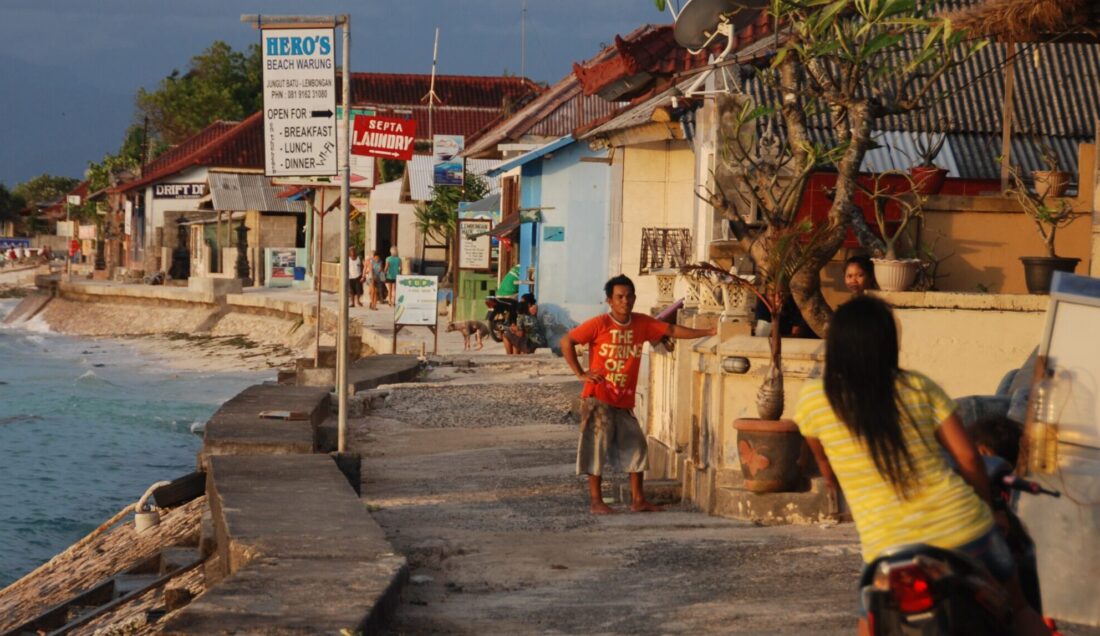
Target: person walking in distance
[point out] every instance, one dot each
(355, 278)
(372, 271)
(393, 268)
(610, 434)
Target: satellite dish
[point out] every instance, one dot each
(700, 20)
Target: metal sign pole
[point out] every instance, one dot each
(345, 204)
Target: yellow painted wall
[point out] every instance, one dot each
(983, 250)
(657, 191)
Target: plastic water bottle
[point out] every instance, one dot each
(1042, 433)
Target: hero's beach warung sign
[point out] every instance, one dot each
(299, 102)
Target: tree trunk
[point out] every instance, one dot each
(769, 398)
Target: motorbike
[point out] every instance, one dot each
(923, 590)
(501, 315)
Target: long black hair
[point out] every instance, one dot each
(861, 373)
(863, 262)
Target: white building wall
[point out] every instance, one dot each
(657, 191)
(155, 208)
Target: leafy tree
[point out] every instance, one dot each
(10, 204)
(220, 84)
(840, 66)
(44, 188)
(438, 217)
(391, 169)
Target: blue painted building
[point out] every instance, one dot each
(567, 247)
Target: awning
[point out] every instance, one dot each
(490, 203)
(235, 191)
(507, 227)
(513, 222)
(528, 157)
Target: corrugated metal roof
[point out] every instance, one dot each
(419, 172)
(1059, 97)
(234, 191)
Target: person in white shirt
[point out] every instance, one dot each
(355, 278)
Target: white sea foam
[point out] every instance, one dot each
(37, 325)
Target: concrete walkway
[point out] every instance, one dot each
(471, 474)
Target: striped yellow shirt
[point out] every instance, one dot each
(941, 509)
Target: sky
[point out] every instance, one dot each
(70, 69)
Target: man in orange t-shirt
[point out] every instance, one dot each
(610, 434)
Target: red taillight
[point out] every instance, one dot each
(911, 589)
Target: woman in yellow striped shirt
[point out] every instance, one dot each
(880, 431)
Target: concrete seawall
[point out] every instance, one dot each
(288, 545)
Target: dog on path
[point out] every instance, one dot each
(470, 328)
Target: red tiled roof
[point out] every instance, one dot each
(466, 104)
(189, 145)
(667, 68)
(558, 111)
(239, 146)
(453, 90)
(641, 57)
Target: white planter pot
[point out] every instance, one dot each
(895, 275)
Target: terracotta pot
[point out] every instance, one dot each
(769, 451)
(1051, 182)
(1039, 270)
(928, 179)
(895, 275)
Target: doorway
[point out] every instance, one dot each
(385, 233)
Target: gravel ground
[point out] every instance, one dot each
(472, 476)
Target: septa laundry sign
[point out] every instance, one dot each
(179, 190)
(385, 137)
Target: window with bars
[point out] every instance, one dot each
(665, 248)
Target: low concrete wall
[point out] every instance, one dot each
(293, 550)
(966, 342)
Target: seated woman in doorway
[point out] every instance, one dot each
(859, 275)
(528, 333)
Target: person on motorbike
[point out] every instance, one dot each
(878, 430)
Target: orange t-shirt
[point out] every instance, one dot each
(615, 352)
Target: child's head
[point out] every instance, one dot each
(998, 436)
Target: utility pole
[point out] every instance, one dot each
(431, 96)
(523, 41)
(345, 205)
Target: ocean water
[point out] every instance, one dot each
(85, 427)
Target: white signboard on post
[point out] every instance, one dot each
(474, 243)
(416, 302)
(299, 80)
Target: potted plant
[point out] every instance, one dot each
(1052, 182)
(768, 447)
(1049, 214)
(927, 177)
(907, 204)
